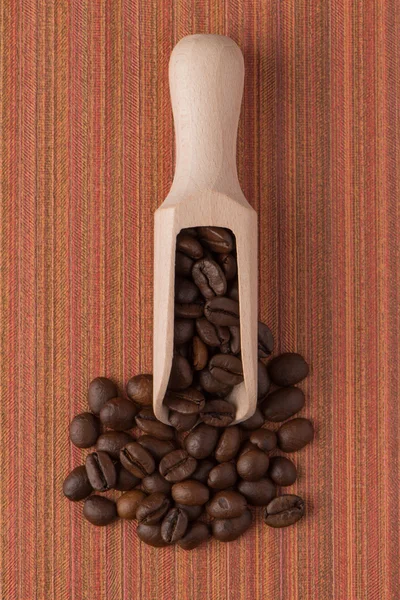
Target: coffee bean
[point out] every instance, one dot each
(263, 381)
(199, 353)
(185, 290)
(188, 401)
(157, 448)
(99, 510)
(183, 330)
(228, 264)
(151, 535)
(288, 369)
(233, 290)
(295, 434)
(112, 442)
(217, 239)
(181, 375)
(128, 503)
(228, 444)
(190, 492)
(211, 334)
(76, 485)
(201, 441)
(203, 469)
(125, 480)
(252, 465)
(264, 439)
(84, 430)
(183, 265)
(222, 476)
(247, 446)
(155, 483)
(189, 310)
(227, 368)
(101, 390)
(197, 533)
(222, 311)
(193, 512)
(118, 414)
(228, 530)
(283, 404)
(257, 493)
(152, 508)
(265, 340)
(190, 231)
(226, 505)
(189, 245)
(137, 460)
(254, 422)
(182, 422)
(149, 424)
(284, 510)
(282, 471)
(209, 278)
(177, 465)
(213, 386)
(140, 389)
(101, 471)
(218, 413)
(232, 346)
(174, 525)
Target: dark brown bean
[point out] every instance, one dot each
(177, 465)
(125, 480)
(149, 424)
(152, 509)
(181, 375)
(101, 471)
(212, 385)
(295, 434)
(284, 510)
(233, 290)
(227, 368)
(263, 381)
(151, 535)
(264, 439)
(101, 390)
(185, 291)
(183, 330)
(137, 460)
(203, 469)
(283, 404)
(201, 441)
(222, 476)
(247, 446)
(210, 334)
(99, 511)
(84, 430)
(140, 389)
(190, 492)
(197, 533)
(156, 483)
(253, 465)
(128, 503)
(222, 311)
(265, 340)
(226, 505)
(193, 512)
(118, 414)
(282, 471)
(228, 264)
(228, 444)
(257, 493)
(189, 310)
(187, 401)
(218, 413)
(199, 353)
(189, 245)
(112, 442)
(157, 448)
(174, 525)
(183, 264)
(254, 422)
(76, 485)
(288, 369)
(209, 278)
(227, 530)
(182, 422)
(217, 239)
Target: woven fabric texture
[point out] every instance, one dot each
(86, 157)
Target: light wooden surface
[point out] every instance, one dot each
(206, 81)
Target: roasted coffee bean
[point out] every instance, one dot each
(295, 434)
(226, 505)
(177, 465)
(183, 330)
(213, 386)
(101, 471)
(190, 231)
(128, 503)
(227, 530)
(222, 476)
(252, 465)
(288, 369)
(228, 264)
(264, 439)
(227, 368)
(189, 310)
(182, 422)
(283, 404)
(156, 483)
(196, 534)
(203, 469)
(265, 340)
(189, 245)
(201, 441)
(193, 512)
(157, 448)
(187, 401)
(263, 381)
(257, 493)
(190, 492)
(247, 446)
(140, 389)
(181, 375)
(254, 422)
(199, 353)
(222, 311)
(125, 480)
(217, 239)
(149, 424)
(233, 290)
(99, 510)
(76, 485)
(228, 444)
(218, 413)
(185, 290)
(282, 471)
(101, 390)
(84, 430)
(112, 442)
(174, 525)
(137, 460)
(150, 535)
(284, 510)
(210, 334)
(209, 278)
(118, 414)
(152, 508)
(232, 346)
(183, 265)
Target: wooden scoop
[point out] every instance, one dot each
(206, 80)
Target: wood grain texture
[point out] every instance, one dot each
(86, 155)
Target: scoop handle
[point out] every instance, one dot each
(206, 74)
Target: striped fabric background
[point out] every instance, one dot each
(86, 157)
